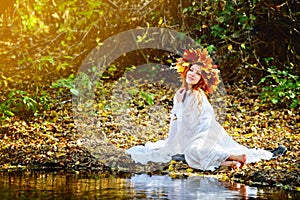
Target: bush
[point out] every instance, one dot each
(282, 88)
(243, 33)
(20, 103)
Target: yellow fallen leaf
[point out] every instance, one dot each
(190, 170)
(267, 167)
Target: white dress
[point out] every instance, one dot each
(195, 133)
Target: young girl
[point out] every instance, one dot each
(194, 130)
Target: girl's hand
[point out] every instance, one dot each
(180, 95)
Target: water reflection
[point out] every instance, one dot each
(195, 187)
(71, 185)
(62, 185)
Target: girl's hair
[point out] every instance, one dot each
(200, 85)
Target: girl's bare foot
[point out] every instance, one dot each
(232, 164)
(240, 158)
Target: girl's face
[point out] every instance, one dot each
(193, 76)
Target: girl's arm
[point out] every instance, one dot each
(207, 115)
(179, 95)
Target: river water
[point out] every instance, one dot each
(30, 185)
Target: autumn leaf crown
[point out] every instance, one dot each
(209, 70)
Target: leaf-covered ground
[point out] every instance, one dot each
(52, 140)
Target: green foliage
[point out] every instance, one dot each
(224, 20)
(65, 15)
(76, 85)
(110, 72)
(141, 97)
(66, 83)
(282, 87)
(242, 33)
(19, 101)
(148, 97)
(37, 64)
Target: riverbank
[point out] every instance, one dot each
(51, 141)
